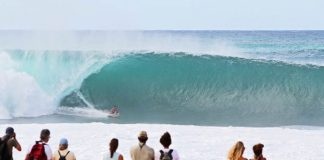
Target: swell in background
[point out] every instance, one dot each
(213, 78)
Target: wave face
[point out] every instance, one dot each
(206, 89)
(181, 77)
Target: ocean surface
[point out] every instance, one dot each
(221, 78)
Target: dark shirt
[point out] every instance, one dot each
(10, 144)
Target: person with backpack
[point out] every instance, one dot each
(166, 153)
(7, 143)
(142, 151)
(113, 155)
(63, 153)
(40, 150)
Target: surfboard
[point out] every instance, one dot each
(113, 115)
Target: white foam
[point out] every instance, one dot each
(117, 41)
(20, 96)
(90, 140)
(34, 83)
(82, 112)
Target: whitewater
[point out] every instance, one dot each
(208, 88)
(90, 140)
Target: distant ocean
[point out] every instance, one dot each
(221, 78)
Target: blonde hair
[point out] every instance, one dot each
(236, 151)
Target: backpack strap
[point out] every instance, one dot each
(162, 154)
(63, 156)
(67, 153)
(170, 153)
(40, 142)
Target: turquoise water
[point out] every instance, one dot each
(239, 78)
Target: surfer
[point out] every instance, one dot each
(114, 110)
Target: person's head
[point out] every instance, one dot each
(45, 135)
(10, 131)
(236, 151)
(257, 149)
(142, 137)
(113, 145)
(165, 140)
(63, 144)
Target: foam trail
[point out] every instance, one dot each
(82, 112)
(84, 100)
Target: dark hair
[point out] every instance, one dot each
(142, 139)
(10, 131)
(113, 146)
(45, 133)
(165, 140)
(257, 149)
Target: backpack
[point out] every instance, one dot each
(4, 152)
(166, 155)
(63, 157)
(37, 152)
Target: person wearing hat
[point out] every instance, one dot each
(142, 151)
(8, 141)
(63, 151)
(257, 149)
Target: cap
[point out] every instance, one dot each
(64, 141)
(142, 134)
(10, 131)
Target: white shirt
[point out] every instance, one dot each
(106, 156)
(48, 151)
(174, 154)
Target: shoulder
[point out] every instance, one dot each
(175, 155)
(48, 150)
(175, 152)
(120, 157)
(55, 154)
(118, 154)
(70, 153)
(133, 148)
(149, 148)
(105, 156)
(47, 147)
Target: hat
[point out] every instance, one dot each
(10, 131)
(142, 134)
(64, 141)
